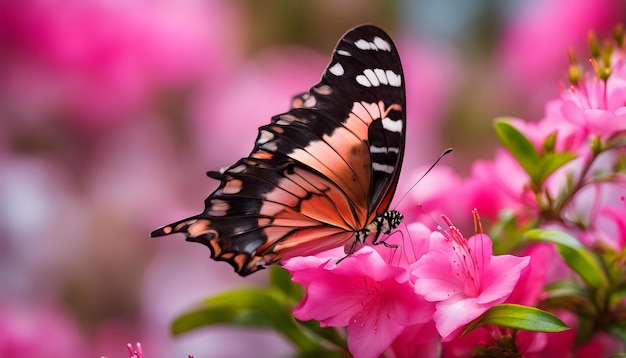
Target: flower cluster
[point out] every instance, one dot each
(388, 303)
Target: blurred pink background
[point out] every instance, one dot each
(112, 111)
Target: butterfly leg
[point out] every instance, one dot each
(359, 237)
(383, 224)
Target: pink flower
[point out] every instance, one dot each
(597, 106)
(592, 106)
(465, 279)
(616, 216)
(411, 242)
(419, 340)
(499, 184)
(607, 217)
(435, 193)
(374, 299)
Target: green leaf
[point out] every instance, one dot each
(321, 352)
(280, 279)
(575, 255)
(564, 288)
(539, 167)
(518, 145)
(550, 142)
(259, 308)
(335, 335)
(549, 163)
(518, 317)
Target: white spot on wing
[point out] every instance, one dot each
(382, 77)
(377, 44)
(363, 45)
(238, 169)
(218, 207)
(264, 137)
(375, 149)
(382, 44)
(343, 53)
(382, 168)
(371, 77)
(271, 146)
(393, 78)
(288, 119)
(363, 81)
(336, 69)
(391, 125)
(310, 102)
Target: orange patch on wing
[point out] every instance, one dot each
(310, 241)
(261, 155)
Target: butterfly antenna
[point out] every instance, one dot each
(445, 152)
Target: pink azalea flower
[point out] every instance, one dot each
(529, 289)
(607, 216)
(374, 299)
(596, 106)
(419, 340)
(590, 107)
(499, 184)
(411, 242)
(616, 216)
(435, 193)
(465, 279)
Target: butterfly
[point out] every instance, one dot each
(321, 174)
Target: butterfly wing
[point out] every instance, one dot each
(366, 77)
(318, 173)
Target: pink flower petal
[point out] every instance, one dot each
(373, 298)
(452, 315)
(500, 278)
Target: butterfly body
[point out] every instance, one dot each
(321, 174)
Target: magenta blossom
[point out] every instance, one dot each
(499, 184)
(374, 299)
(592, 106)
(465, 279)
(595, 104)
